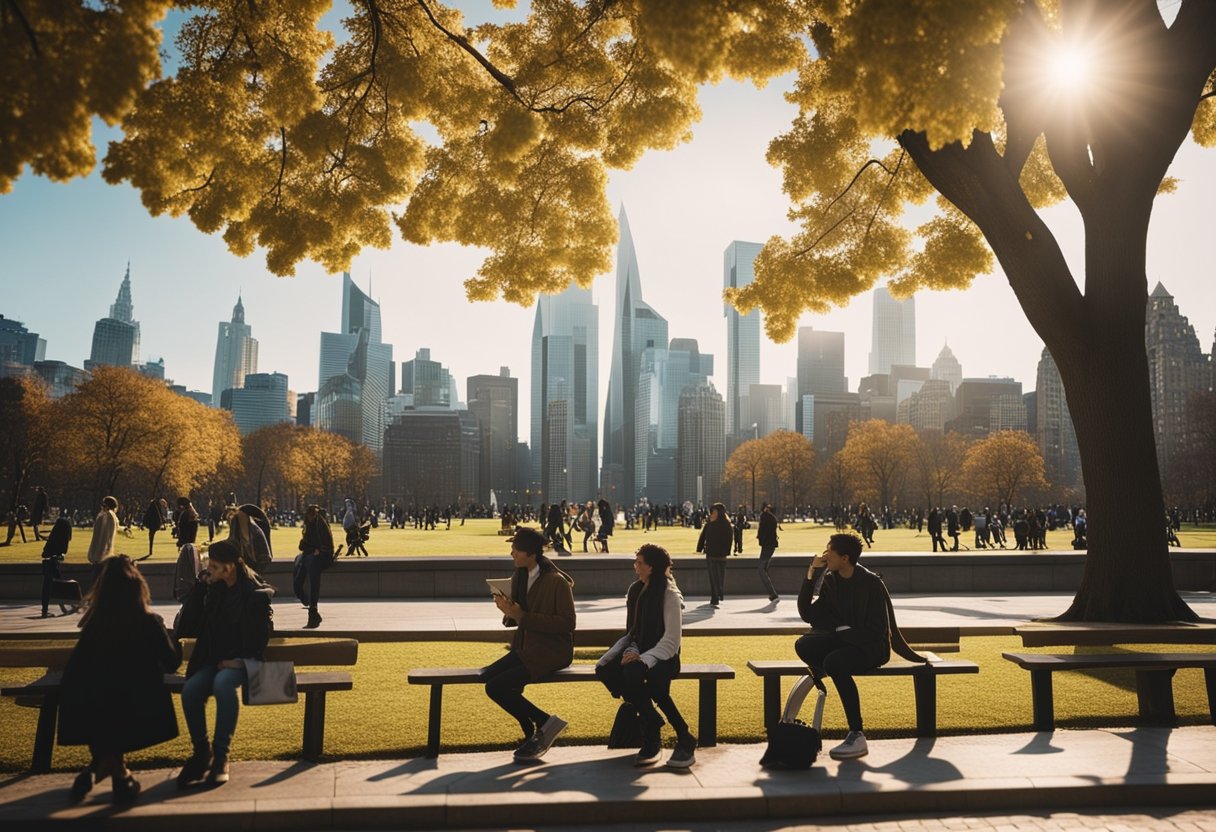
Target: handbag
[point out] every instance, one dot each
(626, 728)
(792, 744)
(269, 683)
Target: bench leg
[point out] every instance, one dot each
(1209, 678)
(314, 723)
(432, 728)
(1155, 693)
(44, 736)
(707, 717)
(772, 701)
(925, 686)
(1044, 704)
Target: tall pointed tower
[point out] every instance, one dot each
(116, 338)
(236, 354)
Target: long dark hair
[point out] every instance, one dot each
(118, 598)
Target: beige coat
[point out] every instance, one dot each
(105, 527)
(544, 639)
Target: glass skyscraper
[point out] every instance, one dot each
(356, 372)
(116, 338)
(636, 327)
(742, 334)
(893, 340)
(565, 385)
(236, 354)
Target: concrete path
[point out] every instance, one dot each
(579, 785)
(473, 619)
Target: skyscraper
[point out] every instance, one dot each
(701, 456)
(820, 366)
(356, 372)
(742, 333)
(929, 408)
(262, 400)
(236, 353)
(893, 339)
(18, 345)
(431, 458)
(666, 373)
(429, 382)
(636, 327)
(1054, 432)
(988, 404)
(565, 384)
(1177, 368)
(947, 368)
(494, 402)
(116, 338)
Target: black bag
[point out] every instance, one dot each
(792, 744)
(299, 579)
(67, 594)
(626, 728)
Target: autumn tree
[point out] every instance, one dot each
(834, 481)
(937, 465)
(321, 461)
(25, 433)
(746, 466)
(268, 454)
(1004, 467)
(501, 135)
(878, 455)
(791, 458)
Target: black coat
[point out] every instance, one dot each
(717, 538)
(153, 519)
(187, 526)
(114, 697)
(766, 535)
(219, 636)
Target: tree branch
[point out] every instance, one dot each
(506, 81)
(25, 27)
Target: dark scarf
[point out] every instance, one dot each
(519, 581)
(644, 613)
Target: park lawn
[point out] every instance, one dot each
(383, 717)
(480, 537)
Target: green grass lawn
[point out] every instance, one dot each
(383, 717)
(480, 537)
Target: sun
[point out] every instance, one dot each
(1069, 68)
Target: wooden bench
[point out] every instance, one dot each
(707, 675)
(313, 685)
(924, 683)
(1154, 680)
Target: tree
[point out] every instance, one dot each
(791, 458)
(322, 461)
(746, 465)
(938, 465)
(254, 136)
(24, 433)
(878, 454)
(268, 454)
(1004, 467)
(834, 481)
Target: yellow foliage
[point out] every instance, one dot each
(1004, 467)
(877, 456)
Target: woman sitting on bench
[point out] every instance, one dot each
(641, 665)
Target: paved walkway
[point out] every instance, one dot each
(370, 620)
(575, 785)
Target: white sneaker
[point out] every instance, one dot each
(548, 732)
(854, 746)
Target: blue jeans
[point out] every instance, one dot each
(222, 684)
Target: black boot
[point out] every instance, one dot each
(652, 746)
(195, 767)
(314, 620)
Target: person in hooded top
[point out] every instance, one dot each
(639, 667)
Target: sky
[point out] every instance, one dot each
(64, 249)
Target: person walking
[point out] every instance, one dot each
(741, 523)
(228, 614)
(952, 522)
(105, 529)
(154, 521)
(113, 695)
(187, 524)
(555, 528)
(586, 522)
(354, 530)
(53, 553)
(715, 541)
(766, 537)
(541, 609)
(38, 515)
(607, 520)
(317, 548)
(639, 667)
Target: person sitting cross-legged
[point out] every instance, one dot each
(852, 629)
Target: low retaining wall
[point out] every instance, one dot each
(608, 575)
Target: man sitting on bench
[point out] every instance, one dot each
(852, 629)
(541, 608)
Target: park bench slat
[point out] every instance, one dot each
(924, 683)
(1154, 680)
(706, 675)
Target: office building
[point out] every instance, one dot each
(1177, 368)
(305, 403)
(236, 353)
(742, 333)
(116, 338)
(262, 400)
(929, 408)
(765, 412)
(356, 372)
(666, 373)
(820, 366)
(60, 378)
(982, 405)
(1053, 428)
(701, 440)
(826, 418)
(152, 369)
(429, 382)
(18, 345)
(947, 368)
(494, 402)
(893, 338)
(565, 380)
(431, 458)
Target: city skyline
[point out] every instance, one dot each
(682, 221)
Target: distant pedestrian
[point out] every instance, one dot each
(766, 537)
(715, 541)
(154, 521)
(114, 698)
(38, 515)
(53, 553)
(606, 523)
(105, 529)
(249, 539)
(317, 551)
(356, 531)
(16, 522)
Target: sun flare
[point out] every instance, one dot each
(1069, 68)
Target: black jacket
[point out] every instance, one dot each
(114, 696)
(864, 606)
(187, 526)
(766, 535)
(223, 631)
(717, 538)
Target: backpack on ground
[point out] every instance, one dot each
(792, 744)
